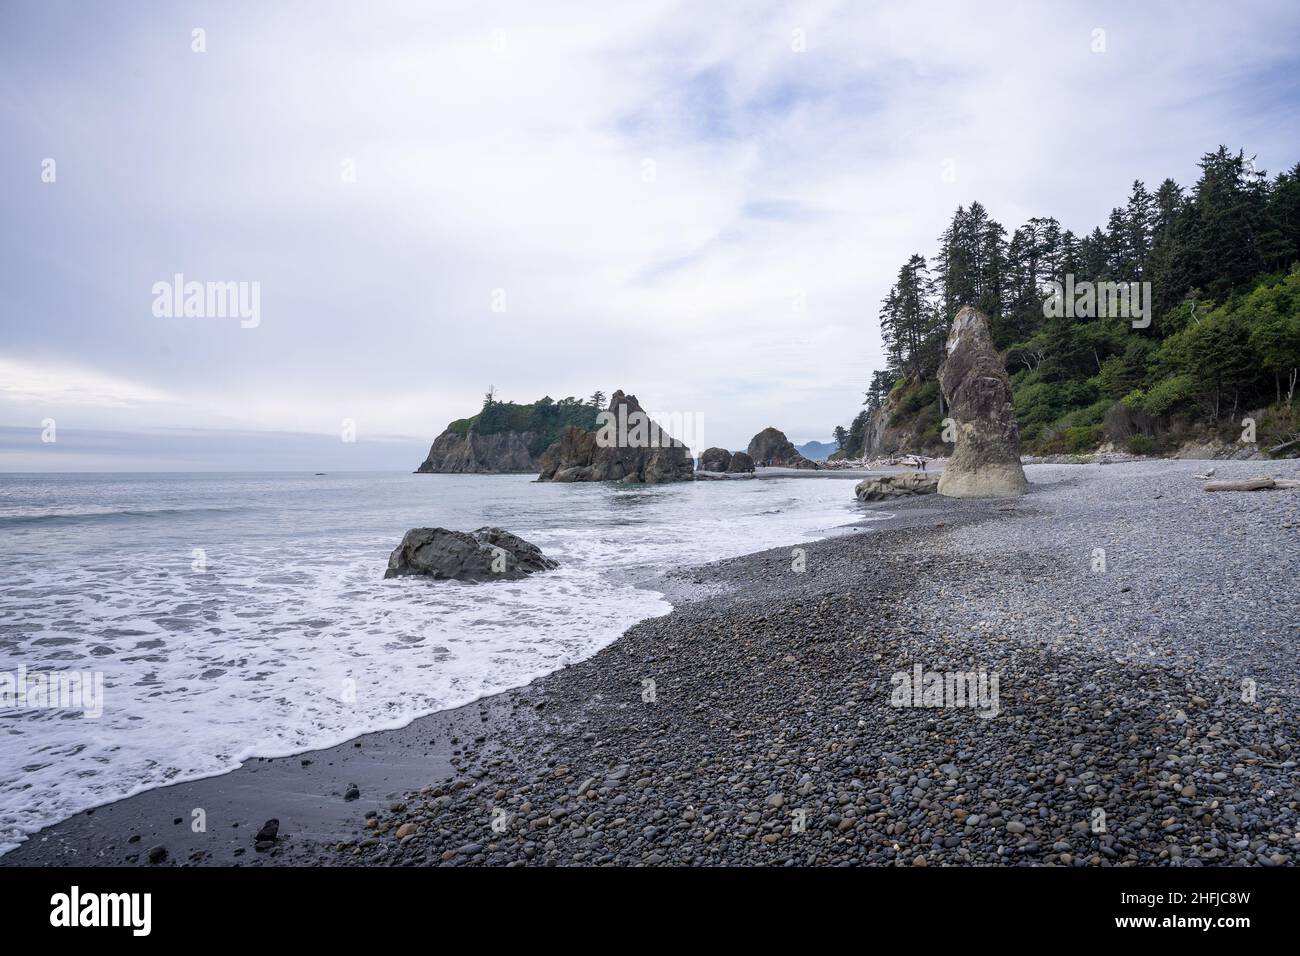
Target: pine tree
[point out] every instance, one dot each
(1139, 217)
(1226, 226)
(1284, 210)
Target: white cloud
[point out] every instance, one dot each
(775, 172)
(54, 386)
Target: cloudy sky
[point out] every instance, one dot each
(702, 204)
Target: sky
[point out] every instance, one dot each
(700, 204)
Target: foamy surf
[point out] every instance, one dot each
(289, 639)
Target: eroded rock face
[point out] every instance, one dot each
(629, 447)
(570, 456)
(884, 487)
(740, 462)
(985, 462)
(488, 554)
(714, 459)
(771, 449)
(473, 453)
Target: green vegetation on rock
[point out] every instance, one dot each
(1223, 340)
(544, 418)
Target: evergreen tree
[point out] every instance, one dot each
(1228, 212)
(1285, 215)
(1225, 331)
(1139, 220)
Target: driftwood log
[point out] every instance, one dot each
(1253, 484)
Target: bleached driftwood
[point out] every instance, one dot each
(1253, 484)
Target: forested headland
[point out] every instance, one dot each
(1223, 341)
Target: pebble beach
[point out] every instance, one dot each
(1147, 705)
(1143, 638)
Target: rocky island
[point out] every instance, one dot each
(627, 447)
(504, 437)
(456, 453)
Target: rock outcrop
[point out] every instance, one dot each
(627, 446)
(714, 459)
(884, 487)
(718, 463)
(985, 462)
(472, 453)
(483, 555)
(771, 449)
(740, 464)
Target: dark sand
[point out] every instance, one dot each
(305, 792)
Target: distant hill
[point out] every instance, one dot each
(818, 450)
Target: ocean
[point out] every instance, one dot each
(232, 616)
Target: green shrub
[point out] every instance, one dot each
(1141, 445)
(917, 398)
(1083, 438)
(1093, 414)
(545, 418)
(1165, 394)
(1072, 441)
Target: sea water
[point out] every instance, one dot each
(240, 615)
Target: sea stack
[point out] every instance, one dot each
(741, 464)
(472, 453)
(985, 462)
(714, 459)
(627, 446)
(771, 449)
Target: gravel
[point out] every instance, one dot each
(1125, 730)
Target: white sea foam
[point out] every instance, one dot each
(291, 640)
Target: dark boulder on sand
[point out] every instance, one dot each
(482, 555)
(714, 459)
(985, 462)
(740, 463)
(884, 487)
(270, 830)
(771, 449)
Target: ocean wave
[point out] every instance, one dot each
(110, 514)
(285, 637)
